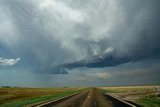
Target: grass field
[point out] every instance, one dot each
(18, 97)
(149, 101)
(145, 96)
(131, 88)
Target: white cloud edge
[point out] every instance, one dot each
(8, 62)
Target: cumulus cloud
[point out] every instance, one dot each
(8, 62)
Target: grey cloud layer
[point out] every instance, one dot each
(52, 35)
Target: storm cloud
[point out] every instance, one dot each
(57, 36)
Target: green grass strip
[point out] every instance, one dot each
(149, 101)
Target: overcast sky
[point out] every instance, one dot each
(56, 43)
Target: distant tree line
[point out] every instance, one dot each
(7, 86)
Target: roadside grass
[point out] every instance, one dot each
(122, 89)
(111, 91)
(145, 96)
(149, 101)
(15, 98)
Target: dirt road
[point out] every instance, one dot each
(88, 98)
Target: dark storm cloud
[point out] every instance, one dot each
(136, 39)
(56, 35)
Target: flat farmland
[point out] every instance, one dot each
(24, 96)
(145, 96)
